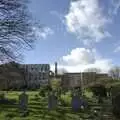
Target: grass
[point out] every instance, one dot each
(38, 109)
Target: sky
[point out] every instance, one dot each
(78, 34)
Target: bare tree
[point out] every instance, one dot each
(16, 30)
(115, 73)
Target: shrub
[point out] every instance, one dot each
(2, 96)
(42, 93)
(66, 99)
(116, 105)
(99, 90)
(36, 97)
(115, 90)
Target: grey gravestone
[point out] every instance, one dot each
(52, 102)
(75, 103)
(78, 103)
(83, 103)
(23, 102)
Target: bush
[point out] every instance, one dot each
(115, 90)
(116, 105)
(42, 93)
(99, 90)
(2, 96)
(66, 99)
(36, 97)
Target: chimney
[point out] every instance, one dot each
(55, 68)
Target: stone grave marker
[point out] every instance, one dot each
(52, 101)
(78, 102)
(83, 103)
(23, 103)
(75, 103)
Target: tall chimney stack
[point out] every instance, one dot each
(55, 69)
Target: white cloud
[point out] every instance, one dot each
(86, 20)
(117, 49)
(81, 58)
(43, 32)
(115, 7)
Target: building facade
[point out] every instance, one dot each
(72, 80)
(36, 75)
(30, 75)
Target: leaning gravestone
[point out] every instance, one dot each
(52, 102)
(23, 103)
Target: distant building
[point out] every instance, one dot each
(36, 74)
(88, 77)
(31, 75)
(71, 80)
(101, 76)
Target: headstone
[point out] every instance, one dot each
(52, 102)
(75, 103)
(23, 102)
(83, 103)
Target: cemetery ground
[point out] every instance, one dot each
(38, 108)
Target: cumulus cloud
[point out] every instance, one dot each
(43, 32)
(86, 20)
(81, 58)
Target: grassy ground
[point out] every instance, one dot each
(38, 109)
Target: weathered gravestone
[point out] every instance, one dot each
(52, 101)
(75, 103)
(83, 103)
(23, 103)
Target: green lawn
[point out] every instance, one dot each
(38, 109)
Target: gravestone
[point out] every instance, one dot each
(52, 101)
(23, 103)
(83, 103)
(75, 103)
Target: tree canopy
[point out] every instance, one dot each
(115, 72)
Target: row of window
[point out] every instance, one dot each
(39, 77)
(39, 68)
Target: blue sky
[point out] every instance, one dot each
(78, 34)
